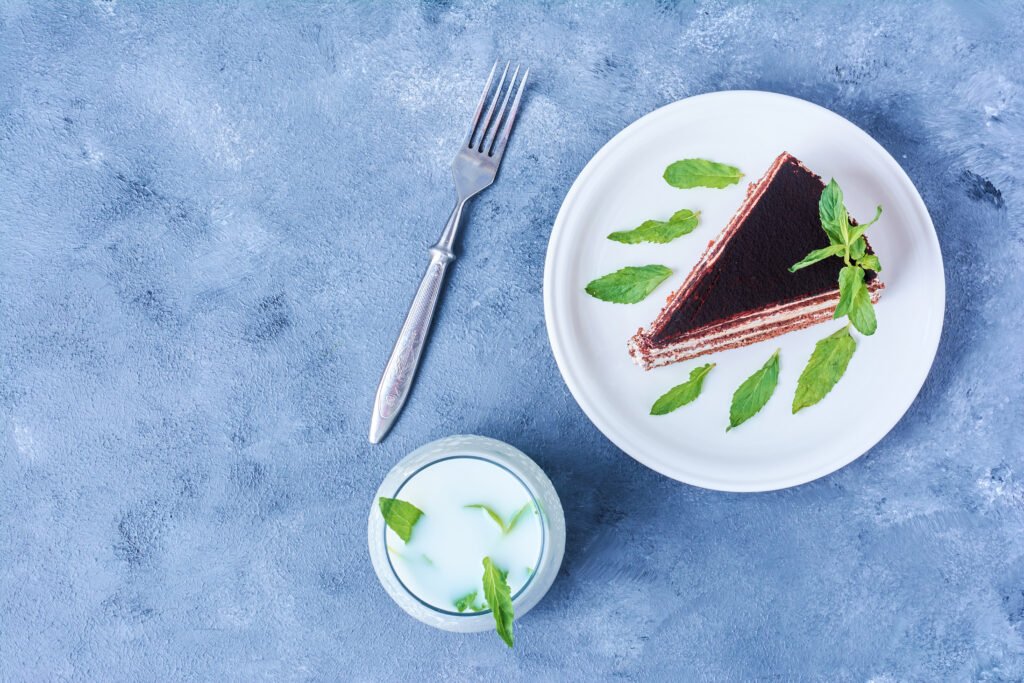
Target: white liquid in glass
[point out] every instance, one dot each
(443, 560)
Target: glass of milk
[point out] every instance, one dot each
(480, 498)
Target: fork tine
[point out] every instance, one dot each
(480, 104)
(490, 109)
(492, 133)
(502, 140)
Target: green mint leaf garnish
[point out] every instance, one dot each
(465, 602)
(754, 392)
(827, 364)
(870, 262)
(851, 278)
(490, 513)
(855, 300)
(628, 285)
(862, 313)
(858, 248)
(858, 230)
(400, 516)
(469, 602)
(688, 173)
(832, 212)
(506, 527)
(818, 255)
(659, 232)
(682, 394)
(516, 517)
(499, 598)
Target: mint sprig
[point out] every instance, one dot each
(400, 516)
(628, 285)
(681, 223)
(846, 240)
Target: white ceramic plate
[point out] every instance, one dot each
(622, 186)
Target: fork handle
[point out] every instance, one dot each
(405, 357)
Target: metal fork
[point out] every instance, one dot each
(474, 168)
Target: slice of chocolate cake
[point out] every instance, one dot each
(741, 290)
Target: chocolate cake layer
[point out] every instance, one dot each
(743, 330)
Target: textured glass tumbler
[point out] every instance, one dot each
(529, 474)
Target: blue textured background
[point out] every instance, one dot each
(212, 219)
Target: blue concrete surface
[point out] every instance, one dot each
(212, 217)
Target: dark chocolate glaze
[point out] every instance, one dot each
(752, 271)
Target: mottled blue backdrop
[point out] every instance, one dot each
(212, 218)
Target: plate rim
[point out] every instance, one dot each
(586, 404)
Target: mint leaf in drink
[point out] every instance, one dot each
(499, 599)
(506, 527)
(754, 392)
(688, 173)
(400, 516)
(490, 513)
(828, 362)
(469, 602)
(628, 285)
(518, 516)
(659, 232)
(818, 255)
(682, 394)
(832, 211)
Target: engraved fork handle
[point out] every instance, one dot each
(400, 371)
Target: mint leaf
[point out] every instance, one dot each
(506, 528)
(851, 280)
(862, 313)
(858, 248)
(754, 392)
(818, 255)
(469, 602)
(834, 219)
(628, 285)
(516, 517)
(827, 364)
(855, 300)
(858, 230)
(870, 262)
(499, 599)
(688, 173)
(659, 232)
(682, 394)
(400, 516)
(490, 513)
